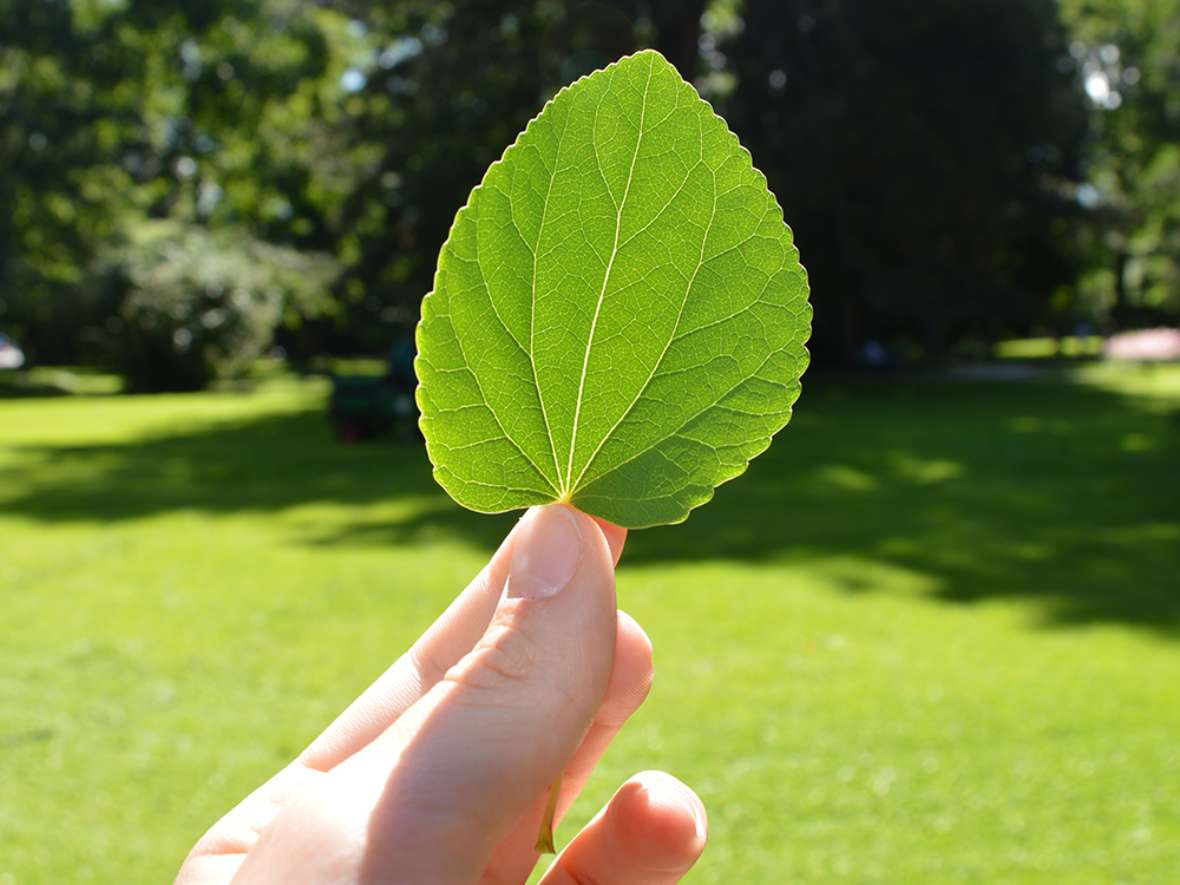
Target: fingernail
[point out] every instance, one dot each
(545, 553)
(693, 804)
(669, 791)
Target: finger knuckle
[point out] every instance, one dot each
(506, 657)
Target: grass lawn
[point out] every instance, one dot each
(932, 636)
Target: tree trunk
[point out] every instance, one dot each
(1119, 314)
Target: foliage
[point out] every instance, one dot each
(926, 159)
(619, 315)
(942, 165)
(1129, 52)
(198, 307)
(208, 113)
(417, 148)
(988, 690)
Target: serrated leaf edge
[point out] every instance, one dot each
(569, 496)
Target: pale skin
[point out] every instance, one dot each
(439, 772)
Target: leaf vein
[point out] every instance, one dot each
(606, 280)
(672, 336)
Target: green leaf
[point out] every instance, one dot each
(619, 315)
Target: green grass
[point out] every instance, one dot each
(1067, 346)
(44, 381)
(932, 636)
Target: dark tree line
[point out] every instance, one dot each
(927, 154)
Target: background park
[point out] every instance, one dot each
(933, 635)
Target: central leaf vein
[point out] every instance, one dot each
(605, 283)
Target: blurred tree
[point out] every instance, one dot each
(1129, 53)
(205, 111)
(55, 124)
(351, 127)
(926, 155)
(929, 155)
(442, 87)
(195, 307)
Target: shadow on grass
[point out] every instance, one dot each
(262, 464)
(1058, 492)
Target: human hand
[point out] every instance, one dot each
(439, 772)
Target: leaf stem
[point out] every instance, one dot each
(545, 833)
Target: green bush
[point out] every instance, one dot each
(198, 307)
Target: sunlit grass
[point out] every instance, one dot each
(58, 380)
(932, 636)
(1067, 346)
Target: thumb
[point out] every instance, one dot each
(474, 754)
